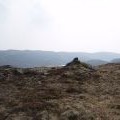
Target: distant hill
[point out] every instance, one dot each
(116, 60)
(29, 58)
(96, 62)
(105, 56)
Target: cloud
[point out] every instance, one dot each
(3, 13)
(24, 18)
(60, 25)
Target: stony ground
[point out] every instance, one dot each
(73, 92)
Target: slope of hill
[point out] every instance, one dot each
(116, 60)
(73, 92)
(96, 62)
(105, 56)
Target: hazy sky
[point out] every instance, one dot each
(60, 25)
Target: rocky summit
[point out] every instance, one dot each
(72, 92)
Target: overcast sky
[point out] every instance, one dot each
(60, 25)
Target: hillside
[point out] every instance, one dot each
(29, 58)
(73, 92)
(116, 60)
(96, 62)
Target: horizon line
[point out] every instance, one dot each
(59, 51)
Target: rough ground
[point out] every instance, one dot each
(73, 92)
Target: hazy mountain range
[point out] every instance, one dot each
(29, 58)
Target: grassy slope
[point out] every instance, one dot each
(74, 92)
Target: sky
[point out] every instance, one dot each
(60, 25)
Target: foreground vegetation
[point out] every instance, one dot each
(73, 92)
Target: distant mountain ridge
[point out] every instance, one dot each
(29, 58)
(96, 62)
(116, 60)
